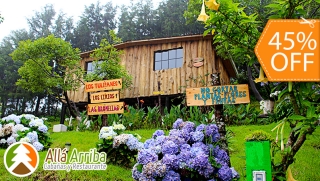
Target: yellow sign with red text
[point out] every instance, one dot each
(105, 108)
(288, 50)
(103, 85)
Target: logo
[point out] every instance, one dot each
(57, 159)
(21, 159)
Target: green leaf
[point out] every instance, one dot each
(297, 117)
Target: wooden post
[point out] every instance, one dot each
(63, 113)
(219, 118)
(159, 99)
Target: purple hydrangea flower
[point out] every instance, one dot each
(160, 140)
(200, 162)
(189, 127)
(147, 155)
(149, 143)
(211, 129)
(235, 174)
(171, 161)
(174, 132)
(177, 123)
(136, 175)
(196, 151)
(201, 127)
(221, 156)
(154, 169)
(225, 173)
(185, 147)
(177, 140)
(197, 136)
(171, 176)
(158, 133)
(169, 147)
(203, 146)
(184, 158)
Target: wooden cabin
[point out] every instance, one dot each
(166, 66)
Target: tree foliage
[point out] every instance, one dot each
(236, 30)
(50, 65)
(110, 67)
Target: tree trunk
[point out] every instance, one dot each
(73, 114)
(36, 110)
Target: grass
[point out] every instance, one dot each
(305, 168)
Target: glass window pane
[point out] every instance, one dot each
(179, 62)
(164, 55)
(157, 66)
(172, 54)
(179, 53)
(172, 63)
(89, 66)
(164, 64)
(157, 56)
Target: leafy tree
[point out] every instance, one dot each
(50, 66)
(11, 96)
(47, 22)
(95, 23)
(110, 67)
(237, 31)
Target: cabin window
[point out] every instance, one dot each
(168, 59)
(91, 66)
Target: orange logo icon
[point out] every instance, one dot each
(21, 159)
(288, 50)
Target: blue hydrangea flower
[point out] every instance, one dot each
(211, 130)
(203, 147)
(154, 169)
(171, 161)
(184, 158)
(147, 155)
(133, 143)
(221, 156)
(171, 176)
(177, 123)
(201, 127)
(197, 136)
(225, 173)
(158, 133)
(174, 132)
(43, 128)
(38, 145)
(196, 151)
(189, 127)
(185, 147)
(135, 173)
(33, 136)
(200, 162)
(169, 147)
(160, 140)
(149, 143)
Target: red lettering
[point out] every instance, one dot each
(89, 86)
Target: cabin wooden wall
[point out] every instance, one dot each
(139, 61)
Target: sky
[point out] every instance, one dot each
(16, 12)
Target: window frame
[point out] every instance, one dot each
(163, 58)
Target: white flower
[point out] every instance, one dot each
(28, 116)
(118, 127)
(17, 128)
(15, 135)
(106, 129)
(25, 139)
(11, 140)
(12, 117)
(0, 126)
(109, 135)
(3, 141)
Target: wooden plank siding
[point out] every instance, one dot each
(138, 59)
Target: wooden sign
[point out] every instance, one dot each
(158, 92)
(225, 94)
(111, 96)
(103, 85)
(105, 108)
(198, 64)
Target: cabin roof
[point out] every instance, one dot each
(229, 64)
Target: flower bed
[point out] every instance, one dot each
(121, 149)
(188, 152)
(24, 128)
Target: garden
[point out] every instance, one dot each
(149, 146)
